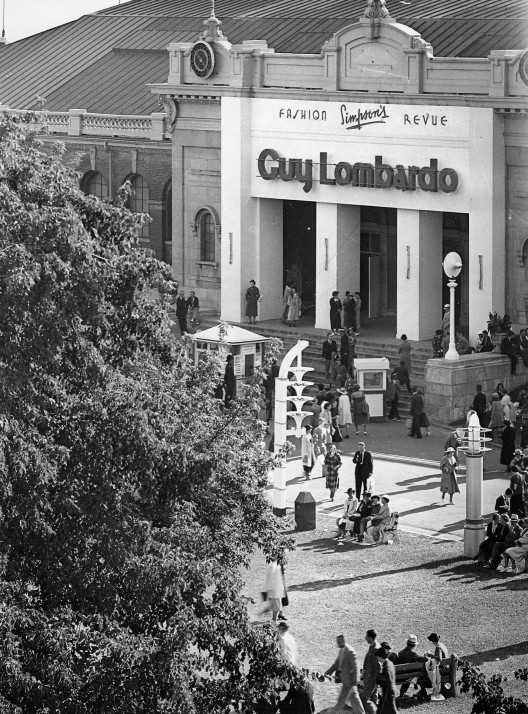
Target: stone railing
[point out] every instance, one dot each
(79, 122)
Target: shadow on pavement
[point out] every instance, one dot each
(314, 585)
(469, 572)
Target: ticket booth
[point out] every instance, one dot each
(371, 375)
(246, 347)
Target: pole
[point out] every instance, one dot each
(452, 353)
(474, 528)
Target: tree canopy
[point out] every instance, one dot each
(130, 500)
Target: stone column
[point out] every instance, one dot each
(419, 273)
(239, 239)
(474, 528)
(269, 273)
(337, 256)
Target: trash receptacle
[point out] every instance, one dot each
(305, 512)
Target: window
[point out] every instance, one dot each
(166, 211)
(206, 232)
(138, 200)
(93, 184)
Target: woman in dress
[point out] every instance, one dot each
(252, 298)
(496, 413)
(294, 308)
(507, 407)
(344, 413)
(307, 451)
(448, 482)
(508, 444)
(319, 441)
(387, 681)
(326, 422)
(332, 464)
(360, 409)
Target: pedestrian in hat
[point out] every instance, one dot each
(387, 681)
(332, 464)
(448, 481)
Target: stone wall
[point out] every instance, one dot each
(450, 386)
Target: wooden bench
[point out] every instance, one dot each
(448, 674)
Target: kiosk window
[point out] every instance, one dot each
(372, 381)
(249, 365)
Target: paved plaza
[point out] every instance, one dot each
(407, 470)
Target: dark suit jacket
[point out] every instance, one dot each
(417, 405)
(366, 468)
(408, 655)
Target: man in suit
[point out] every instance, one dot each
(406, 656)
(371, 670)
(181, 312)
(364, 468)
(416, 409)
(346, 668)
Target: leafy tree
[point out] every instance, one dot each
(488, 692)
(130, 499)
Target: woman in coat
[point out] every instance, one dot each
(326, 422)
(307, 451)
(448, 482)
(332, 464)
(387, 681)
(294, 308)
(496, 413)
(508, 444)
(252, 298)
(404, 352)
(360, 409)
(344, 413)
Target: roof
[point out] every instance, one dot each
(233, 335)
(102, 62)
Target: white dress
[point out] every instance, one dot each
(344, 414)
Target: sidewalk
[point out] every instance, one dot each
(407, 470)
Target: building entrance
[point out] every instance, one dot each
(455, 237)
(299, 238)
(377, 274)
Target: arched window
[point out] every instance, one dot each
(93, 184)
(205, 228)
(166, 216)
(138, 200)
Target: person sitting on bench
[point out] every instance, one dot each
(406, 656)
(346, 522)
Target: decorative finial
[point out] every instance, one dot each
(376, 9)
(212, 26)
(375, 12)
(3, 37)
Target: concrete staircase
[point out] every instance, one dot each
(366, 346)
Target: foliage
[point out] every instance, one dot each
(488, 692)
(130, 498)
(498, 323)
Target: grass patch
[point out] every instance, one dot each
(420, 585)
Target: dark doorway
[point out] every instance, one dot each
(299, 249)
(455, 237)
(377, 269)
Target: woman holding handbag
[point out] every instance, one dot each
(332, 464)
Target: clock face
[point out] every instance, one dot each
(202, 59)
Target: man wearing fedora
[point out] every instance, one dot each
(406, 656)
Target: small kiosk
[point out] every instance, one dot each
(246, 347)
(371, 375)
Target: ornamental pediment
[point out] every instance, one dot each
(378, 55)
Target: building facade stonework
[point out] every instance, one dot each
(388, 154)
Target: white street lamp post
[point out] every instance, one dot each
(473, 445)
(452, 267)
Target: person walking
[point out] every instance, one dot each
(329, 351)
(181, 312)
(357, 310)
(307, 451)
(344, 413)
(349, 311)
(286, 301)
(364, 468)
(387, 681)
(335, 311)
(448, 481)
(294, 308)
(273, 589)
(332, 464)
(252, 298)
(371, 669)
(193, 310)
(480, 404)
(416, 411)
(404, 353)
(508, 444)
(346, 672)
(360, 409)
(393, 398)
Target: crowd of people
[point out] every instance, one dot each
(369, 514)
(507, 418)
